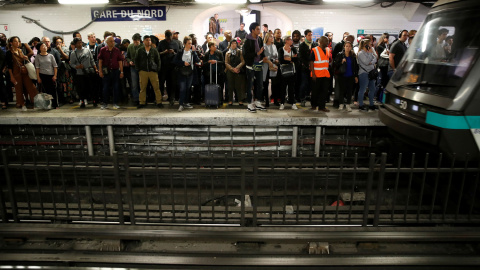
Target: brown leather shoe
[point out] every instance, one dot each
(324, 110)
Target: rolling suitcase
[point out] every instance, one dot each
(212, 91)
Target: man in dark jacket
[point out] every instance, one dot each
(253, 54)
(3, 92)
(167, 49)
(147, 62)
(305, 49)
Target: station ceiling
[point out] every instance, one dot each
(191, 2)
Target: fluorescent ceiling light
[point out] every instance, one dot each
(346, 1)
(255, 1)
(221, 1)
(82, 2)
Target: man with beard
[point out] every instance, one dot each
(298, 76)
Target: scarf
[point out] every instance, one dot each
(232, 52)
(257, 47)
(309, 43)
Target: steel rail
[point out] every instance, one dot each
(392, 234)
(253, 260)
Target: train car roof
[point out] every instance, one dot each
(445, 2)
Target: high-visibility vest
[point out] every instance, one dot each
(320, 65)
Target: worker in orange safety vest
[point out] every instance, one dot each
(321, 77)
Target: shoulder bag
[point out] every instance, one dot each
(187, 70)
(89, 70)
(288, 70)
(373, 74)
(32, 73)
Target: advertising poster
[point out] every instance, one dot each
(317, 33)
(377, 33)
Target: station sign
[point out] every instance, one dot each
(114, 14)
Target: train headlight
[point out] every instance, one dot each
(415, 108)
(397, 101)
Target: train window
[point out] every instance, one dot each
(442, 53)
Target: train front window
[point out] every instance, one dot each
(441, 54)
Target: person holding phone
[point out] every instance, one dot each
(366, 61)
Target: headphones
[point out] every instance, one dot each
(400, 34)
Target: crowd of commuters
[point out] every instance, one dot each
(258, 68)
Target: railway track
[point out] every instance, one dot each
(233, 247)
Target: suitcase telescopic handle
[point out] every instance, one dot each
(216, 70)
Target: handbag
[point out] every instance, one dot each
(43, 101)
(373, 74)
(288, 70)
(343, 68)
(186, 70)
(89, 70)
(274, 71)
(32, 72)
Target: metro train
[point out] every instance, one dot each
(433, 98)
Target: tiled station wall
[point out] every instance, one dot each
(334, 18)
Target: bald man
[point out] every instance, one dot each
(110, 69)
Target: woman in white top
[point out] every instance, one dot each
(46, 67)
(185, 61)
(366, 61)
(288, 56)
(270, 67)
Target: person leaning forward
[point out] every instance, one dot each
(147, 62)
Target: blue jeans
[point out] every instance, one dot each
(185, 85)
(111, 80)
(135, 84)
(364, 81)
(255, 79)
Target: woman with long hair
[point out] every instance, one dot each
(366, 60)
(347, 71)
(15, 60)
(383, 48)
(185, 61)
(270, 68)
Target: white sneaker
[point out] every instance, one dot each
(79, 103)
(86, 101)
(258, 106)
(281, 107)
(294, 107)
(187, 106)
(116, 107)
(103, 107)
(24, 108)
(348, 108)
(340, 107)
(180, 108)
(251, 108)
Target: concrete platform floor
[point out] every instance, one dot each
(72, 114)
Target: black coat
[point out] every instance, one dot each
(248, 50)
(304, 55)
(220, 63)
(338, 64)
(281, 55)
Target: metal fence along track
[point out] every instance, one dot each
(241, 190)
